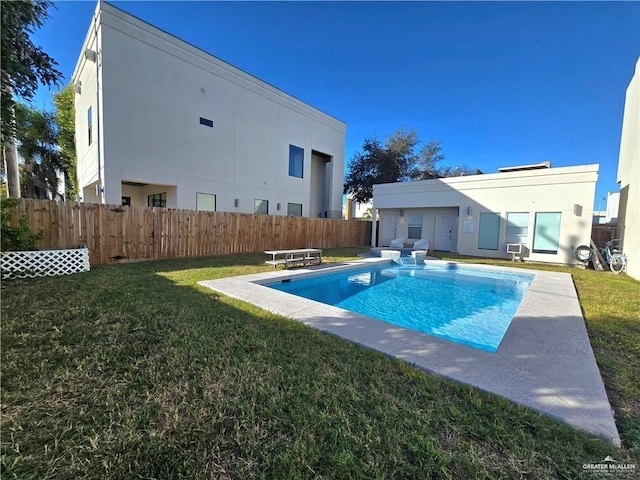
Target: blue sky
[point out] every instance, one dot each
(497, 83)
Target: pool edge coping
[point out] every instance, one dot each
(545, 360)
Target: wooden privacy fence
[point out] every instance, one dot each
(602, 233)
(116, 232)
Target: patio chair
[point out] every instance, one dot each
(397, 243)
(422, 244)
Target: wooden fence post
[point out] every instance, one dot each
(115, 232)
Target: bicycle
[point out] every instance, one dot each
(616, 260)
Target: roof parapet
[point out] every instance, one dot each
(535, 166)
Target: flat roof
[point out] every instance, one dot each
(109, 8)
(517, 168)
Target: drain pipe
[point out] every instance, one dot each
(98, 60)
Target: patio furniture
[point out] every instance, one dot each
(397, 243)
(422, 244)
(299, 256)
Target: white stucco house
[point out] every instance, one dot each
(160, 122)
(548, 211)
(629, 177)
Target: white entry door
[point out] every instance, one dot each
(443, 233)
(388, 225)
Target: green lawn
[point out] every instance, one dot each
(135, 371)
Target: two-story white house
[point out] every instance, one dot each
(160, 122)
(629, 176)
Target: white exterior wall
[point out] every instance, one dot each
(613, 206)
(629, 177)
(156, 87)
(88, 164)
(544, 190)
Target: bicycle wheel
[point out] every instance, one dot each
(616, 264)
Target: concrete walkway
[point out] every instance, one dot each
(544, 362)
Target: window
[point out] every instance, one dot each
(90, 125)
(296, 161)
(206, 122)
(261, 207)
(157, 200)
(517, 227)
(126, 201)
(205, 202)
(489, 231)
(294, 209)
(546, 234)
(415, 225)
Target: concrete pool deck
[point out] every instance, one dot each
(544, 361)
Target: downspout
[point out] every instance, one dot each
(98, 60)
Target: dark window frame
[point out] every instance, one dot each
(257, 206)
(157, 200)
(90, 124)
(296, 161)
(289, 205)
(206, 122)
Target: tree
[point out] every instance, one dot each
(24, 66)
(430, 155)
(402, 158)
(459, 171)
(363, 171)
(65, 116)
(37, 135)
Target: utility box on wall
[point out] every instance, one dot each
(514, 249)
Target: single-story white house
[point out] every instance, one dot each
(629, 177)
(546, 211)
(161, 123)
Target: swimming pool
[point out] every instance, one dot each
(470, 306)
(544, 361)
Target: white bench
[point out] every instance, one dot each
(299, 256)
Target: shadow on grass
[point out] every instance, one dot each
(134, 371)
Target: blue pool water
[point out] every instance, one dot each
(462, 304)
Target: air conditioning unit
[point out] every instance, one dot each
(515, 248)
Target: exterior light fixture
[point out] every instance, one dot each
(577, 210)
(90, 55)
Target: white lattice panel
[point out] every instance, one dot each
(44, 263)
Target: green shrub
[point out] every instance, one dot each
(16, 238)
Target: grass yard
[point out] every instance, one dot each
(134, 371)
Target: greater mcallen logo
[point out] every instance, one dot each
(609, 465)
